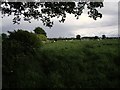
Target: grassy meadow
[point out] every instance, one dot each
(62, 64)
(82, 63)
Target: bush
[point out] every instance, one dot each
(42, 37)
(26, 38)
(39, 30)
(19, 60)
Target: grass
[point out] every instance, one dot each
(83, 63)
(66, 64)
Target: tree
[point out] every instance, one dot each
(27, 39)
(4, 36)
(103, 36)
(39, 30)
(44, 11)
(78, 37)
(19, 53)
(96, 37)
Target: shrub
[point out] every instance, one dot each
(39, 30)
(42, 37)
(19, 60)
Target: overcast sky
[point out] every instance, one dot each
(84, 26)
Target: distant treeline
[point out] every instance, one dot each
(96, 37)
(61, 39)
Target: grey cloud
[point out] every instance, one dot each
(65, 30)
(112, 21)
(110, 8)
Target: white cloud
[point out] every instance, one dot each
(84, 26)
(111, 0)
(108, 31)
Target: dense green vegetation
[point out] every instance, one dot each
(60, 64)
(82, 63)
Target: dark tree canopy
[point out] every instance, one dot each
(96, 37)
(27, 39)
(103, 36)
(39, 30)
(78, 36)
(4, 36)
(44, 11)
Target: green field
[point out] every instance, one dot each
(69, 64)
(83, 63)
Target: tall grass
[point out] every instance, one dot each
(82, 63)
(68, 64)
